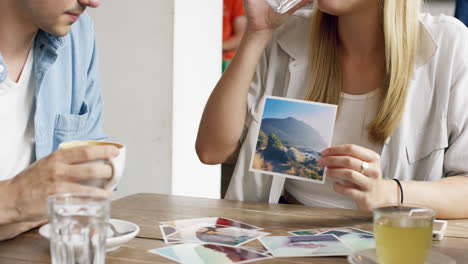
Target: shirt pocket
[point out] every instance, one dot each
(425, 152)
(71, 126)
(418, 153)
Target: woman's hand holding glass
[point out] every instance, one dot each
(361, 175)
(262, 19)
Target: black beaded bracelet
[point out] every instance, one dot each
(401, 189)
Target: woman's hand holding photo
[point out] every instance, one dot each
(359, 169)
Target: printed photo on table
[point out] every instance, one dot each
(334, 230)
(305, 246)
(357, 241)
(339, 231)
(292, 134)
(183, 223)
(216, 234)
(355, 238)
(208, 254)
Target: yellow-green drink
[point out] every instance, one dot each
(403, 234)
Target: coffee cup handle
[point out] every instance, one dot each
(117, 165)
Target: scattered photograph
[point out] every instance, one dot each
(258, 250)
(167, 230)
(355, 238)
(234, 223)
(292, 134)
(216, 234)
(208, 254)
(308, 232)
(356, 230)
(305, 246)
(184, 223)
(338, 231)
(358, 241)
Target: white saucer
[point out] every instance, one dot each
(112, 242)
(369, 256)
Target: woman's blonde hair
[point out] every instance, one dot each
(401, 29)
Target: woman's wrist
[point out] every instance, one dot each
(261, 36)
(391, 193)
(252, 46)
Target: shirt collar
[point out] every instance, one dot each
(294, 39)
(48, 39)
(3, 69)
(299, 33)
(42, 40)
(427, 47)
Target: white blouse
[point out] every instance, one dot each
(431, 141)
(355, 114)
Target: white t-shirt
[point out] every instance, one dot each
(356, 112)
(17, 143)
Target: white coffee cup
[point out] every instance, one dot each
(117, 163)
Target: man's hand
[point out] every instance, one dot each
(12, 230)
(57, 173)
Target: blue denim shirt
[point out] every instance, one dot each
(67, 100)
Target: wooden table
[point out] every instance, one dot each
(147, 210)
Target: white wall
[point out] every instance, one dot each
(197, 68)
(149, 73)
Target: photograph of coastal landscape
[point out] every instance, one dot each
(292, 134)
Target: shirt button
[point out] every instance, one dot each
(388, 140)
(2, 68)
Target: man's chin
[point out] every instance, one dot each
(58, 31)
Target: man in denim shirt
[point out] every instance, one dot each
(49, 93)
(461, 11)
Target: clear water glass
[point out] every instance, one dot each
(282, 6)
(78, 228)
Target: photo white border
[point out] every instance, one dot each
(219, 244)
(153, 251)
(185, 219)
(359, 231)
(261, 251)
(258, 133)
(211, 217)
(305, 230)
(317, 255)
(254, 227)
(163, 234)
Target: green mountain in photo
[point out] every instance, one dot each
(285, 146)
(293, 132)
(273, 155)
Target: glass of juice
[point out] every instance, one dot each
(403, 234)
